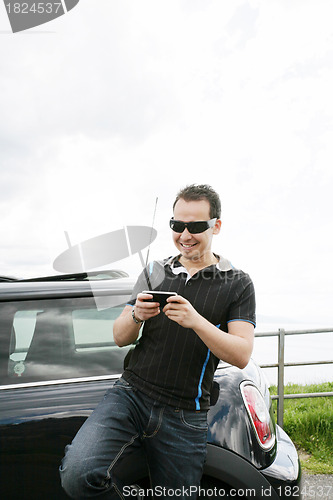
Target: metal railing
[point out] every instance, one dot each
(280, 365)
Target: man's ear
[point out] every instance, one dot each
(217, 226)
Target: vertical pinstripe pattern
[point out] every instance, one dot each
(171, 363)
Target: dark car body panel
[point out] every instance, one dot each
(229, 426)
(36, 425)
(40, 416)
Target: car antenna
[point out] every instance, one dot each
(148, 250)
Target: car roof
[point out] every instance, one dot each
(46, 289)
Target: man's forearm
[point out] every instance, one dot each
(234, 346)
(125, 330)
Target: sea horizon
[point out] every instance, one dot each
(300, 348)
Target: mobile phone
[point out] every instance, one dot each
(159, 296)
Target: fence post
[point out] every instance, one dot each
(280, 401)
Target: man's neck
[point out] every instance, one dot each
(196, 264)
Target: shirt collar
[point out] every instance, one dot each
(176, 267)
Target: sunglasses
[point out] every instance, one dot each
(193, 227)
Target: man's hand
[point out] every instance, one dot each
(143, 309)
(181, 311)
(234, 346)
(125, 330)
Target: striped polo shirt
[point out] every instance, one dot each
(170, 363)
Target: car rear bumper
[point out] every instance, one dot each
(281, 480)
(284, 474)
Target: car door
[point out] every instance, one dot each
(57, 360)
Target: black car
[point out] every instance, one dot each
(58, 358)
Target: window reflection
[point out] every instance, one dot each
(59, 339)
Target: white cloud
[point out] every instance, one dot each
(116, 103)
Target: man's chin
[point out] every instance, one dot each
(191, 253)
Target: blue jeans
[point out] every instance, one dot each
(125, 422)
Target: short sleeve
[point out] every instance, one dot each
(243, 308)
(140, 285)
(151, 278)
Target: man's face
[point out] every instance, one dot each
(194, 246)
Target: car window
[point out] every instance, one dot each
(24, 324)
(92, 328)
(58, 339)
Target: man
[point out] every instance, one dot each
(160, 404)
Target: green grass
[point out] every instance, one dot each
(309, 423)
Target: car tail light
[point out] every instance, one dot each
(259, 415)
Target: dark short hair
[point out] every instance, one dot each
(197, 192)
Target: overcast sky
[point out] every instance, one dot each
(119, 102)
